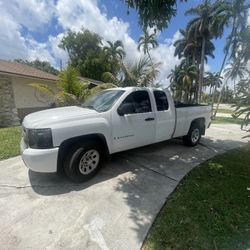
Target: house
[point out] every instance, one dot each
(18, 98)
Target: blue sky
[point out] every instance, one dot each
(31, 29)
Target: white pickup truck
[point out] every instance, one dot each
(74, 140)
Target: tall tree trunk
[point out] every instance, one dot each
(234, 87)
(223, 64)
(220, 95)
(201, 76)
(151, 84)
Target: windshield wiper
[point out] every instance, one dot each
(88, 107)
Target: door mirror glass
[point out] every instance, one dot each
(126, 108)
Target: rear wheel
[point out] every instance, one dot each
(194, 135)
(83, 161)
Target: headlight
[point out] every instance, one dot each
(40, 138)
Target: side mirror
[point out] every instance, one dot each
(120, 111)
(126, 108)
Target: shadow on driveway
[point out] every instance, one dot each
(115, 209)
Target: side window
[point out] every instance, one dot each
(136, 102)
(161, 100)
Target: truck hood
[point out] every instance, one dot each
(49, 117)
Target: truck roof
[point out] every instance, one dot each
(136, 88)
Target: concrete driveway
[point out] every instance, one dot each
(114, 210)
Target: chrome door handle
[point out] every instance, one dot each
(149, 119)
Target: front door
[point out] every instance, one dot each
(136, 126)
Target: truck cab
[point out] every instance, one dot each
(74, 139)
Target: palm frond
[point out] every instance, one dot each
(44, 88)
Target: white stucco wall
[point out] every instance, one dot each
(28, 97)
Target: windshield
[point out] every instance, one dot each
(103, 100)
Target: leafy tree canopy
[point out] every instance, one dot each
(88, 55)
(42, 65)
(153, 13)
(80, 44)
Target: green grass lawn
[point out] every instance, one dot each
(9, 142)
(225, 111)
(227, 120)
(210, 209)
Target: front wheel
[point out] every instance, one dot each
(193, 137)
(83, 162)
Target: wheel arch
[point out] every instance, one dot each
(201, 122)
(66, 145)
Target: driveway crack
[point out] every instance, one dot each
(22, 187)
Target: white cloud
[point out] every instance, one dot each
(34, 14)
(57, 53)
(88, 15)
(31, 14)
(11, 40)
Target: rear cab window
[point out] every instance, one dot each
(161, 100)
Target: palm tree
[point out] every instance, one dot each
(147, 42)
(174, 86)
(115, 53)
(240, 58)
(242, 106)
(234, 12)
(206, 24)
(142, 73)
(70, 90)
(115, 50)
(237, 69)
(187, 74)
(213, 80)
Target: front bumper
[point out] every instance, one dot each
(39, 160)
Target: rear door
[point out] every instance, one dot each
(165, 117)
(137, 127)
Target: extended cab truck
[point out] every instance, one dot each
(75, 139)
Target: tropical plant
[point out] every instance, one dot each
(242, 106)
(147, 42)
(237, 69)
(182, 79)
(79, 45)
(187, 47)
(186, 76)
(70, 90)
(207, 24)
(86, 53)
(142, 73)
(212, 80)
(115, 53)
(153, 13)
(174, 86)
(234, 13)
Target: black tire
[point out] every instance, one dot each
(75, 165)
(194, 135)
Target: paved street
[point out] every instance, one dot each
(112, 211)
